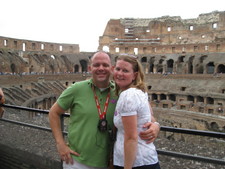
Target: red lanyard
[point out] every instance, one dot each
(100, 113)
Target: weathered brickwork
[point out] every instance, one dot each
(28, 46)
(166, 35)
(170, 44)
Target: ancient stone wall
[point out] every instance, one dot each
(23, 45)
(165, 35)
(33, 62)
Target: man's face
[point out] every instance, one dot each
(101, 69)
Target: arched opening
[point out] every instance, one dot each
(151, 68)
(190, 98)
(144, 60)
(200, 99)
(170, 66)
(154, 97)
(181, 59)
(172, 97)
(221, 69)
(13, 68)
(210, 68)
(160, 66)
(83, 65)
(209, 100)
(151, 64)
(214, 126)
(162, 97)
(76, 68)
(149, 87)
(190, 65)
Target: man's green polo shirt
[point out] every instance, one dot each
(83, 134)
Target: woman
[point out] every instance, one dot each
(132, 111)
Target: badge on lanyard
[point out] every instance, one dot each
(102, 124)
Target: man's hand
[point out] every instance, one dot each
(65, 153)
(151, 133)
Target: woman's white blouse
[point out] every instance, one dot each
(133, 102)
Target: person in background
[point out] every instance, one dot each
(92, 104)
(132, 110)
(2, 101)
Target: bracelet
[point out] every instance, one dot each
(157, 123)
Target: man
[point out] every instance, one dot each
(92, 103)
(2, 101)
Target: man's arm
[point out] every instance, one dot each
(54, 118)
(153, 129)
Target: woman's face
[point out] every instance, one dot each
(123, 74)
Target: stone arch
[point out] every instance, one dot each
(190, 98)
(200, 99)
(210, 68)
(76, 68)
(209, 100)
(214, 126)
(52, 69)
(154, 97)
(160, 65)
(143, 59)
(13, 67)
(181, 59)
(162, 97)
(190, 64)
(172, 97)
(37, 58)
(84, 65)
(151, 64)
(161, 61)
(221, 68)
(144, 64)
(151, 67)
(170, 64)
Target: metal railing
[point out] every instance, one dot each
(163, 128)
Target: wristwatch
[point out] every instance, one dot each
(157, 123)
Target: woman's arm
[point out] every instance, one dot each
(130, 140)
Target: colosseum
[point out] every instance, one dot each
(184, 62)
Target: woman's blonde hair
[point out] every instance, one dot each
(139, 81)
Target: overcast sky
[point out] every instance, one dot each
(83, 21)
